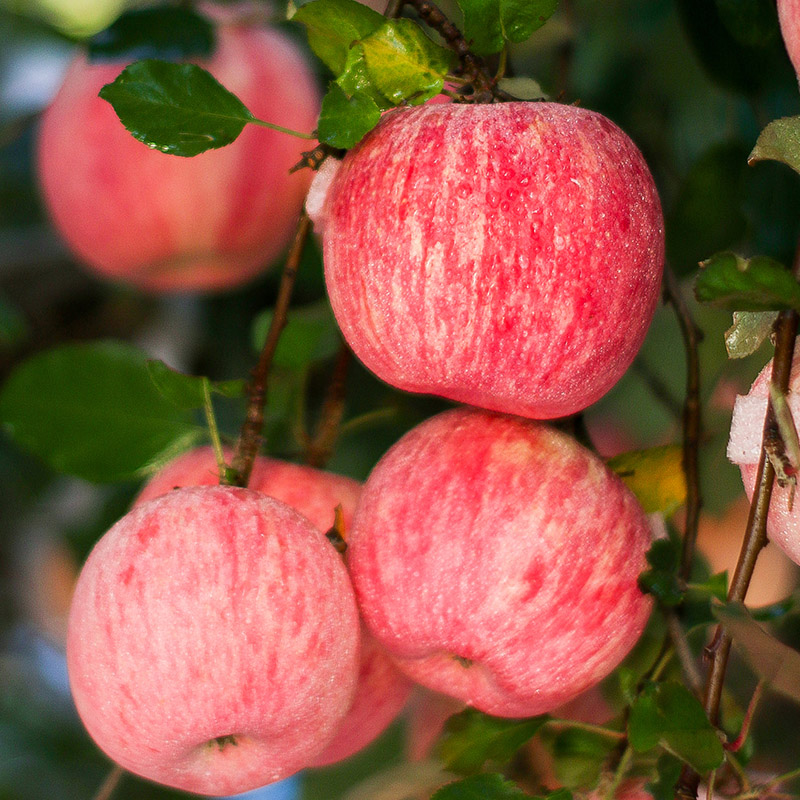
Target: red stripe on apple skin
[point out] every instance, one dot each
(497, 541)
(507, 256)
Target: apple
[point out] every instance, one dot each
(213, 640)
(165, 223)
(497, 561)
(744, 450)
(789, 18)
(381, 689)
(507, 256)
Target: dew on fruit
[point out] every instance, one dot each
(524, 180)
(558, 242)
(464, 190)
(507, 174)
(505, 205)
(492, 199)
(512, 194)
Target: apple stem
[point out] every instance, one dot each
(249, 440)
(110, 784)
(755, 537)
(213, 429)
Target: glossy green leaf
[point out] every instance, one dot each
(311, 334)
(489, 24)
(661, 580)
(749, 331)
(489, 786)
(773, 661)
(179, 109)
(707, 216)
(334, 25)
(92, 410)
(655, 476)
(747, 284)
(357, 80)
(343, 120)
(186, 391)
(779, 141)
(750, 22)
(670, 715)
(404, 64)
(472, 739)
(167, 32)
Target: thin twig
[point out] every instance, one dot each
(692, 419)
(110, 784)
(250, 435)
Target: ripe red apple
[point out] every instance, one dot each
(789, 18)
(508, 256)
(381, 690)
(497, 561)
(165, 223)
(744, 449)
(213, 640)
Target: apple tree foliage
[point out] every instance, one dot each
(97, 408)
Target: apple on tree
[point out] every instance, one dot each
(213, 640)
(789, 18)
(497, 561)
(508, 256)
(165, 223)
(381, 690)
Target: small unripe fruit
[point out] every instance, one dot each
(165, 223)
(497, 561)
(213, 640)
(508, 256)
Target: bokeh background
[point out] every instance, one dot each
(692, 81)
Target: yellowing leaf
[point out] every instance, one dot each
(655, 476)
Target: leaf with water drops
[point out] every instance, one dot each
(179, 109)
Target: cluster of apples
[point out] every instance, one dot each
(503, 256)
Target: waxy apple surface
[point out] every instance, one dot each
(744, 450)
(213, 640)
(508, 256)
(497, 561)
(165, 223)
(381, 690)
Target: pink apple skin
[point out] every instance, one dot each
(497, 561)
(382, 690)
(213, 612)
(789, 18)
(166, 223)
(744, 448)
(508, 256)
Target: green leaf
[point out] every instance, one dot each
(334, 25)
(750, 22)
(161, 32)
(579, 756)
(357, 80)
(773, 661)
(404, 63)
(473, 739)
(747, 284)
(669, 771)
(670, 715)
(311, 334)
(186, 391)
(177, 108)
(749, 331)
(707, 216)
(343, 120)
(489, 786)
(779, 141)
(13, 326)
(661, 580)
(489, 24)
(91, 410)
(655, 476)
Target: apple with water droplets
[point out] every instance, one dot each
(507, 256)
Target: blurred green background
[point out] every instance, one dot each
(692, 81)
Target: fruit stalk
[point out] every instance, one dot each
(250, 436)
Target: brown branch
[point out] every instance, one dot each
(319, 447)
(250, 435)
(692, 419)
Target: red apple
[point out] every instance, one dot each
(381, 690)
(744, 449)
(789, 18)
(213, 640)
(508, 256)
(497, 561)
(166, 223)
